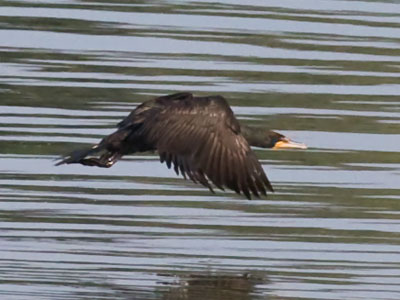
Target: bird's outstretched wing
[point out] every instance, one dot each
(200, 137)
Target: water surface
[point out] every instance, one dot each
(325, 73)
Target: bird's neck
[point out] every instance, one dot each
(255, 136)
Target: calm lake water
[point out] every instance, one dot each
(325, 73)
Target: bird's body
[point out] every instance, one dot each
(199, 136)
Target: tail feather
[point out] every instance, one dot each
(76, 156)
(112, 146)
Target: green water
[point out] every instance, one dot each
(325, 73)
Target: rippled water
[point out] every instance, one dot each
(325, 73)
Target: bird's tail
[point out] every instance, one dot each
(111, 148)
(77, 156)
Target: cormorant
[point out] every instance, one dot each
(199, 136)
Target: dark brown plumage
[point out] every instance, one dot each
(198, 136)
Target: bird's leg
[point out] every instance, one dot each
(107, 160)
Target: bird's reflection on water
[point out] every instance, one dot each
(212, 286)
(207, 285)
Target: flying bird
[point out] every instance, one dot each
(199, 137)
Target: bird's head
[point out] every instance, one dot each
(276, 140)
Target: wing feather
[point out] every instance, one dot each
(215, 165)
(176, 166)
(201, 138)
(230, 171)
(222, 166)
(243, 176)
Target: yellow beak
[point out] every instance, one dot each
(288, 144)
